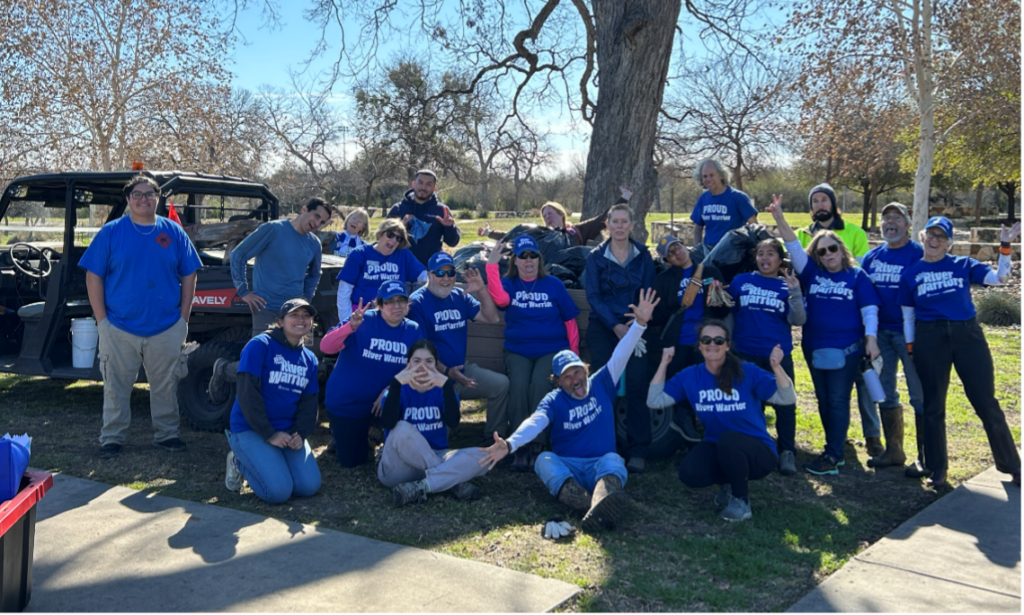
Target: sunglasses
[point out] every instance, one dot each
(445, 273)
(718, 340)
(529, 255)
(832, 248)
(393, 235)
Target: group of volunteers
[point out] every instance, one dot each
(680, 338)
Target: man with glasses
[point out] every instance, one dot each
(443, 312)
(429, 219)
(141, 276)
(886, 264)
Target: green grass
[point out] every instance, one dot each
(671, 553)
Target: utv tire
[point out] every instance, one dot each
(665, 435)
(203, 412)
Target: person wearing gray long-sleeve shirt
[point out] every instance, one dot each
(287, 262)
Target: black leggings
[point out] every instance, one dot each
(350, 439)
(735, 459)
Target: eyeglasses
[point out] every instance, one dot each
(445, 273)
(718, 340)
(936, 236)
(396, 301)
(138, 196)
(393, 235)
(832, 248)
(529, 255)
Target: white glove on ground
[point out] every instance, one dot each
(555, 528)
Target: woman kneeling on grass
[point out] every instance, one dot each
(419, 407)
(726, 393)
(275, 411)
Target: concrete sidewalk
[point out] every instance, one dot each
(103, 548)
(961, 554)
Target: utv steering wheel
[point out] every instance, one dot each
(24, 265)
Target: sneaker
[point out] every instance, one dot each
(171, 444)
(636, 465)
(737, 510)
(937, 480)
(824, 464)
(724, 496)
(787, 463)
(465, 492)
(109, 451)
(233, 478)
(218, 386)
(409, 493)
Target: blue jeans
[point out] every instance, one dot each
(894, 346)
(275, 474)
(832, 388)
(555, 470)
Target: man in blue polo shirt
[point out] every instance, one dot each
(443, 312)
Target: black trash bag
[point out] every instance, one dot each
(570, 279)
(574, 259)
(698, 253)
(474, 256)
(734, 254)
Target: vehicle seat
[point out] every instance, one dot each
(34, 311)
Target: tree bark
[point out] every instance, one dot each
(634, 47)
(977, 205)
(865, 186)
(1009, 189)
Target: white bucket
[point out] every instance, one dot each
(84, 339)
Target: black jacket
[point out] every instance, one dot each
(668, 314)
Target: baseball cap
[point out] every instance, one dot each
(291, 305)
(665, 243)
(898, 207)
(439, 260)
(941, 222)
(391, 288)
(525, 243)
(564, 360)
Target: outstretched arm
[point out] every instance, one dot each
(624, 349)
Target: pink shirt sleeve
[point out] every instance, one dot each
(494, 287)
(334, 341)
(574, 335)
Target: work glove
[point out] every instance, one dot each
(555, 528)
(641, 348)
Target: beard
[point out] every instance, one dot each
(822, 215)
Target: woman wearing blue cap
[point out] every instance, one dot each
(935, 294)
(275, 411)
(372, 346)
(370, 265)
(540, 320)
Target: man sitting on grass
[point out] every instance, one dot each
(583, 470)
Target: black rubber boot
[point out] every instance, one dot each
(609, 502)
(892, 424)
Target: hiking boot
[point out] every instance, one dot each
(892, 423)
(465, 492)
(109, 451)
(636, 465)
(233, 478)
(824, 464)
(609, 502)
(874, 447)
(724, 496)
(787, 463)
(218, 388)
(737, 510)
(413, 492)
(573, 495)
(521, 460)
(171, 444)
(686, 420)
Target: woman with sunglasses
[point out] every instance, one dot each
(935, 295)
(767, 304)
(727, 394)
(372, 347)
(370, 265)
(841, 327)
(540, 321)
(617, 270)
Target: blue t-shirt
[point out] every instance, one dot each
(582, 428)
(536, 315)
(834, 301)
(370, 359)
(942, 290)
(141, 267)
(424, 411)
(285, 374)
(762, 314)
(720, 214)
(885, 266)
(287, 263)
(739, 411)
(694, 314)
(366, 269)
(445, 321)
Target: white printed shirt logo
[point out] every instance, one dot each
(763, 299)
(381, 272)
(937, 283)
(448, 320)
(528, 300)
(416, 416)
(288, 375)
(711, 400)
(583, 415)
(386, 351)
(886, 274)
(824, 287)
(716, 212)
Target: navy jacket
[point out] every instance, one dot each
(612, 288)
(430, 212)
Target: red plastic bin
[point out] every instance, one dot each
(17, 538)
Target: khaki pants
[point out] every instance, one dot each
(120, 355)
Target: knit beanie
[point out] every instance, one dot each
(828, 190)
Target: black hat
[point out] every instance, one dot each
(291, 305)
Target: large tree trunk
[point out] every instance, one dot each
(634, 46)
(925, 162)
(1009, 189)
